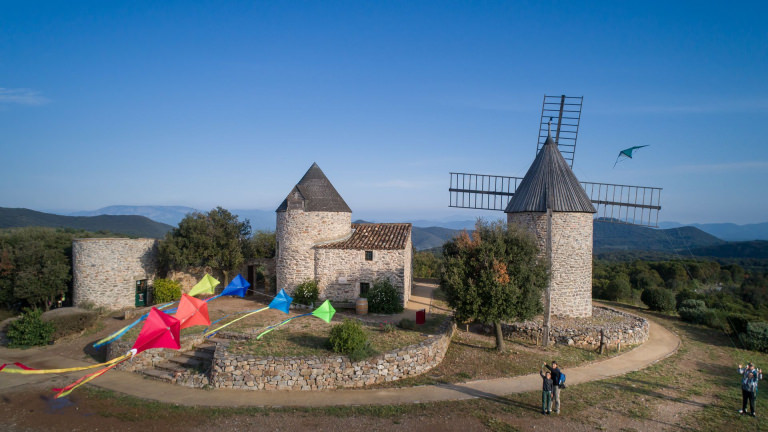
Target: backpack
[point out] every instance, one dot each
(561, 382)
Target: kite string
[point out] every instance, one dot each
(272, 327)
(212, 332)
(26, 370)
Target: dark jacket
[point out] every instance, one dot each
(555, 374)
(749, 384)
(547, 385)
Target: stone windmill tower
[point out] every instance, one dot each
(551, 202)
(313, 212)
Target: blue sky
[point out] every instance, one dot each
(228, 103)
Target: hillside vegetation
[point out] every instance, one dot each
(134, 226)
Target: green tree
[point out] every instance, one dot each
(216, 239)
(262, 244)
(43, 274)
(426, 265)
(493, 276)
(619, 288)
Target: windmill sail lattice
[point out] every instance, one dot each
(637, 205)
(565, 114)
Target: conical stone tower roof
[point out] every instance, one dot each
(550, 174)
(317, 192)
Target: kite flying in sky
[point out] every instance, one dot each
(627, 153)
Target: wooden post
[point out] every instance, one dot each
(548, 295)
(602, 341)
(618, 346)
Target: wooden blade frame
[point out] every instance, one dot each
(635, 205)
(565, 112)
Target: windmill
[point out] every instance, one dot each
(559, 209)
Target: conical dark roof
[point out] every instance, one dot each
(550, 173)
(317, 192)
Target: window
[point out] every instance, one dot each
(364, 287)
(369, 255)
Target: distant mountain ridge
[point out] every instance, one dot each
(131, 225)
(728, 231)
(172, 215)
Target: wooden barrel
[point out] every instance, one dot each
(361, 306)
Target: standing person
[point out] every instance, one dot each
(546, 391)
(748, 391)
(556, 381)
(758, 374)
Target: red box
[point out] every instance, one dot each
(421, 316)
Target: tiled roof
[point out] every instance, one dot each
(318, 193)
(550, 174)
(379, 236)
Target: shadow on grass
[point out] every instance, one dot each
(489, 397)
(308, 341)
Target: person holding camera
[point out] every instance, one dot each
(555, 370)
(757, 375)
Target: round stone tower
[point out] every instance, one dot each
(313, 213)
(550, 188)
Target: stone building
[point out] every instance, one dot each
(316, 240)
(107, 271)
(551, 184)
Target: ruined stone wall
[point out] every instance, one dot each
(105, 270)
(571, 258)
(618, 327)
(249, 372)
(340, 271)
(296, 232)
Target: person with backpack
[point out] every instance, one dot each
(546, 391)
(748, 391)
(558, 378)
(758, 375)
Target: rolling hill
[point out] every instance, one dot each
(134, 226)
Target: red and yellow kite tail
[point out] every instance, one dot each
(87, 378)
(26, 370)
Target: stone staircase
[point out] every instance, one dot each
(189, 368)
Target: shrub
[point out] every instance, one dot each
(713, 318)
(349, 338)
(384, 298)
(757, 336)
(658, 299)
(738, 322)
(618, 288)
(166, 290)
(407, 324)
(306, 292)
(693, 311)
(68, 321)
(29, 330)
(684, 295)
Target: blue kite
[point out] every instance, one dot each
(627, 153)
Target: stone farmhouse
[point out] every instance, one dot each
(316, 239)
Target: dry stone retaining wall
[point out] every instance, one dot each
(321, 373)
(571, 278)
(618, 327)
(105, 270)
